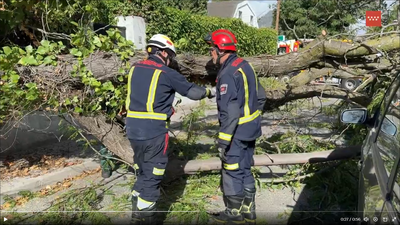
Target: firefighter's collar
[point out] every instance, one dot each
(156, 59)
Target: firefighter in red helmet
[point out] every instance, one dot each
(240, 100)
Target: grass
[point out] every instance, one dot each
(189, 198)
(332, 194)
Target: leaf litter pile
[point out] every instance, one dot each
(48, 190)
(33, 165)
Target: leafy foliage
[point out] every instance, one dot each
(309, 17)
(21, 93)
(188, 31)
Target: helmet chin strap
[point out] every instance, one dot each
(163, 57)
(218, 61)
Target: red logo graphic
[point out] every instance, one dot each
(373, 18)
(223, 89)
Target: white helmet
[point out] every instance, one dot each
(161, 41)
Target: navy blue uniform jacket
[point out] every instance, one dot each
(240, 99)
(151, 91)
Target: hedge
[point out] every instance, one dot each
(187, 31)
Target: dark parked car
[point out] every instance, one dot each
(379, 165)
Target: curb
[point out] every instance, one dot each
(33, 184)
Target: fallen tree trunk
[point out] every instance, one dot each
(177, 168)
(105, 66)
(319, 53)
(276, 98)
(109, 133)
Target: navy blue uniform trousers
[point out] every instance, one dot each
(236, 171)
(151, 158)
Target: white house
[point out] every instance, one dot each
(234, 9)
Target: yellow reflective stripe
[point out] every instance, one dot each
(144, 201)
(128, 97)
(152, 90)
(246, 94)
(147, 115)
(135, 193)
(158, 172)
(231, 166)
(223, 136)
(250, 118)
(136, 166)
(255, 76)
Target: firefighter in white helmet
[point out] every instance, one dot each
(152, 84)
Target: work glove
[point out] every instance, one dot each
(222, 154)
(211, 92)
(222, 149)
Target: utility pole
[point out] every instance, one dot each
(278, 7)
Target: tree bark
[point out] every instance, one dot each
(177, 168)
(320, 55)
(111, 135)
(105, 66)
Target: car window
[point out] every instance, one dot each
(389, 139)
(389, 133)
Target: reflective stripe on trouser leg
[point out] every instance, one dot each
(155, 159)
(232, 175)
(248, 207)
(138, 160)
(142, 204)
(246, 164)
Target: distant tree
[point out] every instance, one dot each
(308, 17)
(389, 17)
(195, 6)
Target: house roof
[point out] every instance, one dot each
(222, 9)
(266, 19)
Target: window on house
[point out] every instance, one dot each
(251, 19)
(240, 14)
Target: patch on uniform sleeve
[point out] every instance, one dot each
(223, 89)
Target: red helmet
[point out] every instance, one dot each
(223, 39)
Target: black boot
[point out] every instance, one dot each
(232, 214)
(148, 215)
(135, 220)
(248, 208)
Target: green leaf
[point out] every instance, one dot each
(76, 52)
(67, 101)
(108, 86)
(30, 85)
(42, 50)
(7, 50)
(78, 109)
(75, 99)
(48, 59)
(29, 49)
(31, 96)
(14, 78)
(96, 41)
(39, 58)
(28, 60)
(74, 23)
(45, 43)
(94, 82)
(120, 78)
